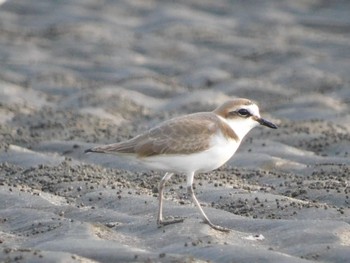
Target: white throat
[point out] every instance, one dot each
(240, 126)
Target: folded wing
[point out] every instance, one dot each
(182, 135)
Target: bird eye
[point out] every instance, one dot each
(244, 112)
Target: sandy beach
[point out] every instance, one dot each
(80, 73)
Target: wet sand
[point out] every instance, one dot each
(75, 74)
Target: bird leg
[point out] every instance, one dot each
(160, 220)
(205, 218)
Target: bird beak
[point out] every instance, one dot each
(266, 123)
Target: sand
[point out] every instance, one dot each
(75, 74)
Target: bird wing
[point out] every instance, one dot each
(182, 135)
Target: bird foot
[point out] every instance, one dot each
(170, 221)
(216, 227)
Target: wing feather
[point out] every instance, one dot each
(186, 134)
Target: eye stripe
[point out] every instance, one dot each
(244, 112)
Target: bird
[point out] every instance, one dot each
(191, 144)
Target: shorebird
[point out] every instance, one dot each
(190, 144)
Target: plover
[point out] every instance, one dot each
(190, 144)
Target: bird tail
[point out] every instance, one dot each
(97, 149)
(116, 148)
(89, 150)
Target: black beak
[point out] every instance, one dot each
(266, 123)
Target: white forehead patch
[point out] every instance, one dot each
(253, 109)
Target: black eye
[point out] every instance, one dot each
(244, 112)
